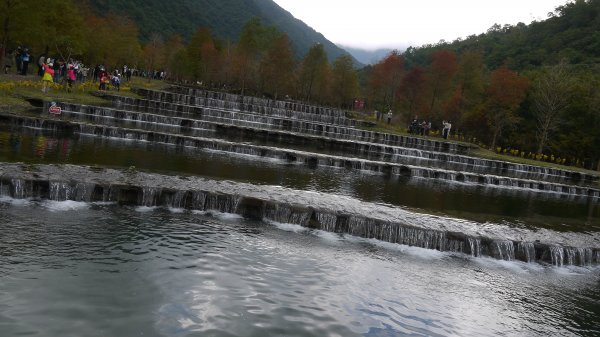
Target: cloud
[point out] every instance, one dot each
(397, 23)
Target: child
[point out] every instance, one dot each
(116, 81)
(48, 74)
(103, 76)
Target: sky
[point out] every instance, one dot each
(398, 24)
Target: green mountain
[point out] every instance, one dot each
(224, 18)
(572, 32)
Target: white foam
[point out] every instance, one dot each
(104, 203)
(514, 266)
(288, 227)
(405, 249)
(176, 210)
(573, 270)
(228, 217)
(15, 202)
(145, 209)
(65, 206)
(328, 236)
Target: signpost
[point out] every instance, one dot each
(54, 109)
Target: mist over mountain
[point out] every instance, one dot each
(224, 18)
(366, 56)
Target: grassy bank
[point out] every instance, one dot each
(16, 91)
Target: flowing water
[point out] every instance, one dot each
(346, 231)
(85, 269)
(471, 201)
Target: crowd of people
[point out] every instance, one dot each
(423, 127)
(417, 127)
(19, 59)
(68, 71)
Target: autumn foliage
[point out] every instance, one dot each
(487, 103)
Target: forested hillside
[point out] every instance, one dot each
(224, 18)
(529, 91)
(571, 32)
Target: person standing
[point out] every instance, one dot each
(70, 77)
(25, 61)
(446, 129)
(389, 117)
(47, 79)
(41, 62)
(18, 59)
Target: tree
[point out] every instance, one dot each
(551, 97)
(277, 67)
(10, 11)
(113, 41)
(412, 91)
(202, 55)
(578, 134)
(467, 94)
(505, 93)
(385, 80)
(171, 56)
(253, 42)
(40, 25)
(440, 73)
(313, 73)
(153, 53)
(345, 81)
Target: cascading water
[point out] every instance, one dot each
(177, 122)
(18, 189)
(475, 245)
(527, 250)
(505, 250)
(150, 196)
(286, 214)
(557, 255)
(211, 118)
(328, 219)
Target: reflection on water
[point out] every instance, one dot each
(473, 202)
(103, 270)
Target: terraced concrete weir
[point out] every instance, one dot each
(167, 130)
(210, 127)
(230, 118)
(337, 129)
(310, 209)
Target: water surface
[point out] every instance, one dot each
(517, 207)
(69, 268)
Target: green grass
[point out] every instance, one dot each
(16, 91)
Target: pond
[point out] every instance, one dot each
(95, 269)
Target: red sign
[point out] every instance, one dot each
(359, 104)
(56, 110)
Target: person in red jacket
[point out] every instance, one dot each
(70, 77)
